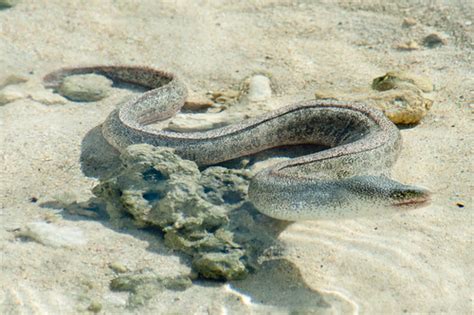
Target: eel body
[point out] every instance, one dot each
(348, 179)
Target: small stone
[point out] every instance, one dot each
(8, 3)
(434, 40)
(179, 283)
(95, 307)
(468, 23)
(220, 266)
(225, 96)
(325, 95)
(399, 79)
(409, 45)
(52, 235)
(12, 79)
(145, 284)
(47, 98)
(408, 22)
(85, 87)
(10, 94)
(201, 122)
(259, 88)
(197, 102)
(118, 267)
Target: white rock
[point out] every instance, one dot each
(54, 236)
(200, 122)
(10, 94)
(47, 98)
(12, 79)
(259, 88)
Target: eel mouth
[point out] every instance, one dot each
(413, 202)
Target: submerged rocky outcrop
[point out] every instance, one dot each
(203, 214)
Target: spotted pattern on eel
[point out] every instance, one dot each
(349, 179)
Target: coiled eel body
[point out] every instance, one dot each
(348, 179)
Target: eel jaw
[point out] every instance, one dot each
(421, 198)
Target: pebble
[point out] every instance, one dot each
(85, 87)
(118, 267)
(434, 40)
(408, 22)
(10, 94)
(95, 307)
(224, 96)
(52, 235)
(200, 122)
(398, 79)
(8, 3)
(12, 79)
(197, 102)
(259, 88)
(409, 45)
(47, 98)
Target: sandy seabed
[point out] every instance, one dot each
(408, 262)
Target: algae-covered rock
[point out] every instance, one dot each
(8, 3)
(396, 79)
(158, 188)
(220, 266)
(402, 106)
(145, 284)
(85, 87)
(399, 95)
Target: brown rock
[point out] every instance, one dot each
(197, 102)
(409, 45)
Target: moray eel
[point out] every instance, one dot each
(349, 179)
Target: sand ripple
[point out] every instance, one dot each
(398, 263)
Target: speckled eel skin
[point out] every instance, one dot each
(347, 180)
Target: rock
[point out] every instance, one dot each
(219, 266)
(47, 98)
(408, 22)
(259, 88)
(398, 94)
(325, 95)
(52, 235)
(95, 307)
(8, 3)
(192, 208)
(409, 45)
(200, 122)
(85, 87)
(11, 93)
(224, 96)
(235, 188)
(197, 102)
(146, 284)
(434, 40)
(118, 267)
(402, 106)
(12, 79)
(398, 79)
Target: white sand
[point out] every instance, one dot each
(418, 261)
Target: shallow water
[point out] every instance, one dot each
(417, 261)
